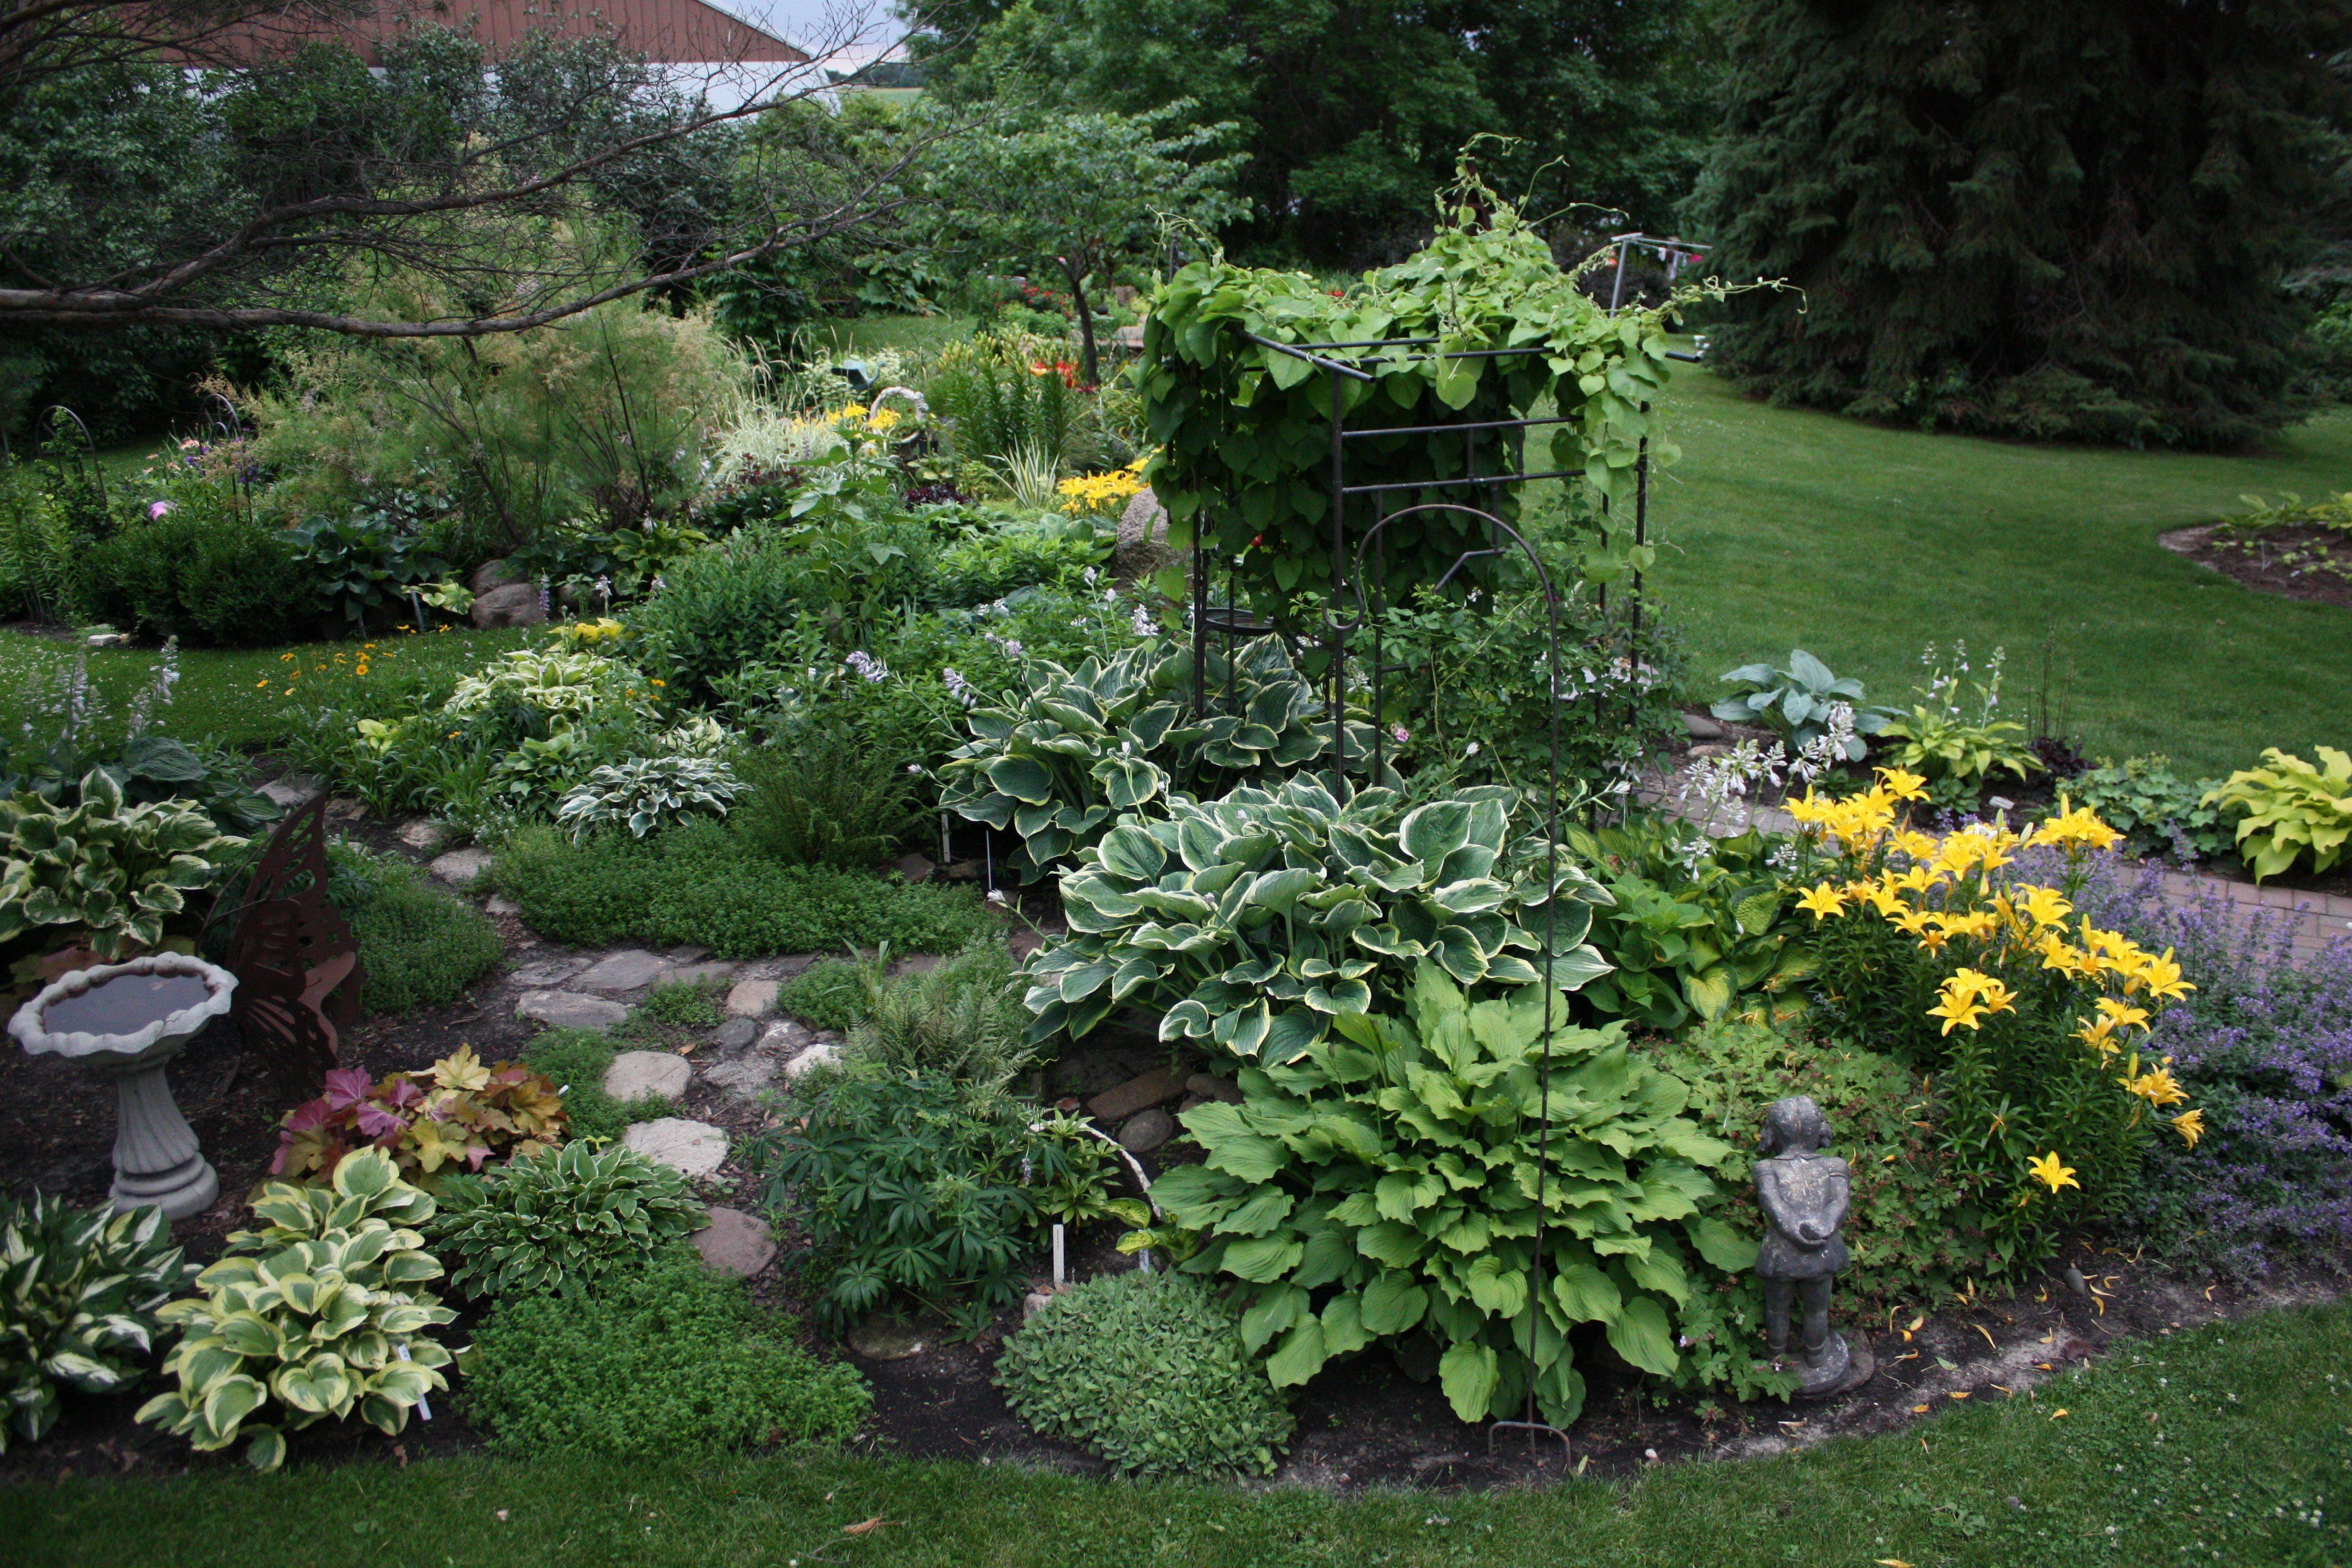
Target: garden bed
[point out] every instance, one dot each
(2310, 563)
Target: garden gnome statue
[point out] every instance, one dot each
(1803, 1193)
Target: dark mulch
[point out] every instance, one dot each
(2291, 561)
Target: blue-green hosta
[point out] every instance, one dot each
(1082, 745)
(116, 870)
(79, 1293)
(1254, 921)
(309, 1318)
(1383, 1187)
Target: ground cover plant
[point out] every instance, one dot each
(1148, 1371)
(574, 1061)
(703, 885)
(654, 1362)
(422, 945)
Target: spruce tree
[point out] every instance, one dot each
(2026, 218)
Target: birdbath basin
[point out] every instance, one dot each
(124, 1022)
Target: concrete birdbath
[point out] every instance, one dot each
(124, 1022)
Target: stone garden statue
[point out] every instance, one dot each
(1803, 1193)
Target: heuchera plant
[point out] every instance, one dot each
(457, 1111)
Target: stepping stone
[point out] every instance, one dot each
(293, 790)
(1135, 1094)
(753, 998)
(570, 1010)
(696, 1148)
(717, 971)
(823, 1054)
(736, 1033)
(421, 835)
(548, 972)
(917, 868)
(636, 1075)
(883, 1337)
(747, 1075)
(794, 964)
(500, 904)
(735, 1243)
(630, 969)
(787, 1038)
(1147, 1131)
(460, 866)
(689, 953)
(1209, 1087)
(916, 964)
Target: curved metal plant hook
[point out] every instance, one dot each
(1499, 530)
(54, 417)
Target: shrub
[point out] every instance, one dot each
(310, 1317)
(2265, 1041)
(963, 1020)
(646, 793)
(835, 994)
(457, 1113)
(2290, 811)
(2155, 811)
(1907, 1230)
(79, 1294)
(823, 799)
(421, 946)
(113, 873)
(1382, 1189)
(1256, 922)
(562, 1221)
(915, 1187)
(1146, 1371)
(703, 885)
(576, 1060)
(652, 1364)
(2031, 1035)
(202, 573)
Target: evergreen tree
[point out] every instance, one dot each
(2057, 221)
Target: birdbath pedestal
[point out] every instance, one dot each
(124, 1022)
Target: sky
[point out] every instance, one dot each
(859, 29)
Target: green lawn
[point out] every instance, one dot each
(221, 694)
(2224, 1446)
(1788, 529)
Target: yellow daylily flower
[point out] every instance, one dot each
(2190, 1125)
(1822, 901)
(2050, 1173)
(1902, 785)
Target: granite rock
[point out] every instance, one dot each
(696, 1148)
(570, 1010)
(637, 1075)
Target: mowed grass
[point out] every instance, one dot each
(241, 696)
(1788, 529)
(2226, 1445)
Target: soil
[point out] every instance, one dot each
(1363, 1423)
(2264, 572)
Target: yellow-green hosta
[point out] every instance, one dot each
(308, 1317)
(2290, 809)
(117, 870)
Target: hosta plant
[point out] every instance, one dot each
(2289, 810)
(113, 872)
(561, 1220)
(1254, 921)
(79, 1294)
(1387, 1186)
(646, 793)
(1082, 745)
(457, 1114)
(577, 685)
(1797, 702)
(313, 1316)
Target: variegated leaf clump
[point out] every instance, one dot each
(1082, 745)
(313, 1317)
(1253, 921)
(645, 792)
(79, 1294)
(116, 870)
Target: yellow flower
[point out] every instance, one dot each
(2120, 1013)
(2160, 975)
(1902, 785)
(2190, 1125)
(2075, 827)
(1822, 901)
(2097, 1036)
(2045, 906)
(1917, 845)
(2157, 1086)
(2050, 1173)
(1957, 1013)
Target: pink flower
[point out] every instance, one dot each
(158, 510)
(1401, 734)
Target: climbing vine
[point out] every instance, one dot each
(1245, 430)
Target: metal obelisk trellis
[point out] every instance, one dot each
(1357, 599)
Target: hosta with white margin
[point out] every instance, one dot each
(312, 1312)
(1384, 1187)
(646, 793)
(1254, 921)
(79, 1294)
